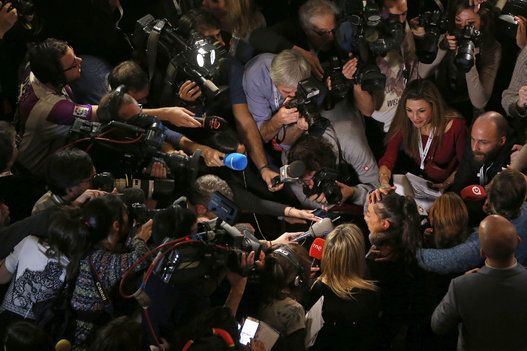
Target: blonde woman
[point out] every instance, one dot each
(351, 302)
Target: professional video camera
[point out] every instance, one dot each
(221, 247)
(366, 34)
(324, 182)
(166, 46)
(467, 41)
(136, 147)
(507, 24)
(304, 101)
(435, 23)
(381, 34)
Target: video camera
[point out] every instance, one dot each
(467, 40)
(166, 46)
(381, 34)
(324, 182)
(304, 101)
(222, 246)
(135, 146)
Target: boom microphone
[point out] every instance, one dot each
(290, 173)
(317, 230)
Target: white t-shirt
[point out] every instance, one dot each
(392, 66)
(36, 277)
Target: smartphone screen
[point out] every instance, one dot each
(248, 331)
(320, 213)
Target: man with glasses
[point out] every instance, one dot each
(47, 108)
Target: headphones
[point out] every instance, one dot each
(110, 110)
(285, 252)
(215, 332)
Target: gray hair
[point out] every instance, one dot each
(207, 184)
(288, 68)
(314, 8)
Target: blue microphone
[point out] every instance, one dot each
(235, 161)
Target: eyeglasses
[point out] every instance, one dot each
(75, 64)
(324, 33)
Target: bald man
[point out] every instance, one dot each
(487, 152)
(491, 304)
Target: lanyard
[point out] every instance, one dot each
(483, 174)
(276, 98)
(424, 152)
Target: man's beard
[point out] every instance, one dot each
(488, 157)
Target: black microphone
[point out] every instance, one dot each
(290, 173)
(317, 230)
(212, 122)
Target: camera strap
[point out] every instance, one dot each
(440, 5)
(108, 307)
(151, 47)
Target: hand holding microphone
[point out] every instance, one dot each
(315, 251)
(317, 230)
(212, 122)
(290, 173)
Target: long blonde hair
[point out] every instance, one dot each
(343, 261)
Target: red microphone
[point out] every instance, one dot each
(316, 250)
(473, 193)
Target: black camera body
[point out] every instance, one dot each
(324, 182)
(339, 84)
(467, 40)
(165, 47)
(304, 101)
(435, 24)
(136, 146)
(218, 246)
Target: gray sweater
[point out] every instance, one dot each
(509, 98)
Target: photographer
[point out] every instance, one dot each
(320, 155)
(514, 99)
(120, 106)
(468, 59)
(313, 36)
(104, 263)
(68, 175)
(398, 65)
(269, 81)
(46, 108)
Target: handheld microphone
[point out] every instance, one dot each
(290, 172)
(212, 122)
(235, 161)
(473, 193)
(316, 250)
(317, 230)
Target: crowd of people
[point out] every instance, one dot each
(263, 175)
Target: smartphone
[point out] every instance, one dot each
(249, 328)
(320, 213)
